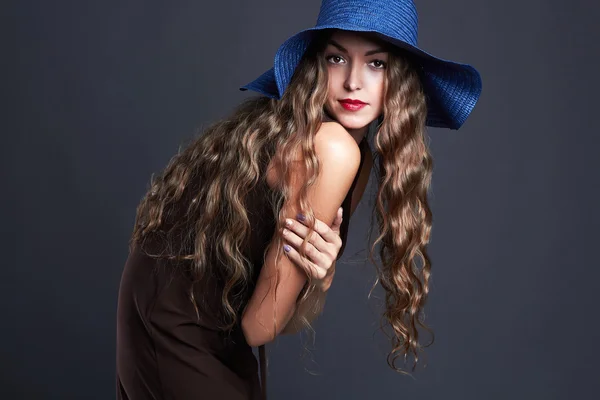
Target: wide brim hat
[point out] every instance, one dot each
(451, 89)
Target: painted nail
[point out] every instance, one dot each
(300, 217)
(288, 222)
(286, 248)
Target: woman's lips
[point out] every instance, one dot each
(352, 105)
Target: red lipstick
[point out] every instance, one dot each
(352, 104)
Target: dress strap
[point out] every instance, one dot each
(263, 371)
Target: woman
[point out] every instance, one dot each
(206, 280)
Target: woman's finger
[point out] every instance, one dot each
(337, 222)
(312, 252)
(302, 231)
(327, 235)
(310, 268)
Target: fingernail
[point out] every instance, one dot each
(300, 217)
(286, 248)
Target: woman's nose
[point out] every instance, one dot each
(353, 78)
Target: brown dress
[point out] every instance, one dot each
(164, 351)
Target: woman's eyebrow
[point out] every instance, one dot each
(368, 53)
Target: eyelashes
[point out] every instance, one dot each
(381, 62)
(330, 58)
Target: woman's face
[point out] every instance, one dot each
(356, 66)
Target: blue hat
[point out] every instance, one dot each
(451, 89)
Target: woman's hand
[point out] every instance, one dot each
(322, 248)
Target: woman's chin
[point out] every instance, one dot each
(353, 123)
(351, 120)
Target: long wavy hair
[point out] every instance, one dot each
(196, 208)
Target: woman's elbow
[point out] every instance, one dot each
(256, 335)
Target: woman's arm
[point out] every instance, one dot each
(310, 309)
(315, 302)
(339, 157)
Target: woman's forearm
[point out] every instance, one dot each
(309, 309)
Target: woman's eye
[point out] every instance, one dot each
(379, 64)
(335, 59)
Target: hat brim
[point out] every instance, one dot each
(452, 89)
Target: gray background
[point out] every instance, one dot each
(97, 95)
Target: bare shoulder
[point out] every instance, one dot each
(332, 139)
(337, 152)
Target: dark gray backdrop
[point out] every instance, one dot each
(98, 95)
